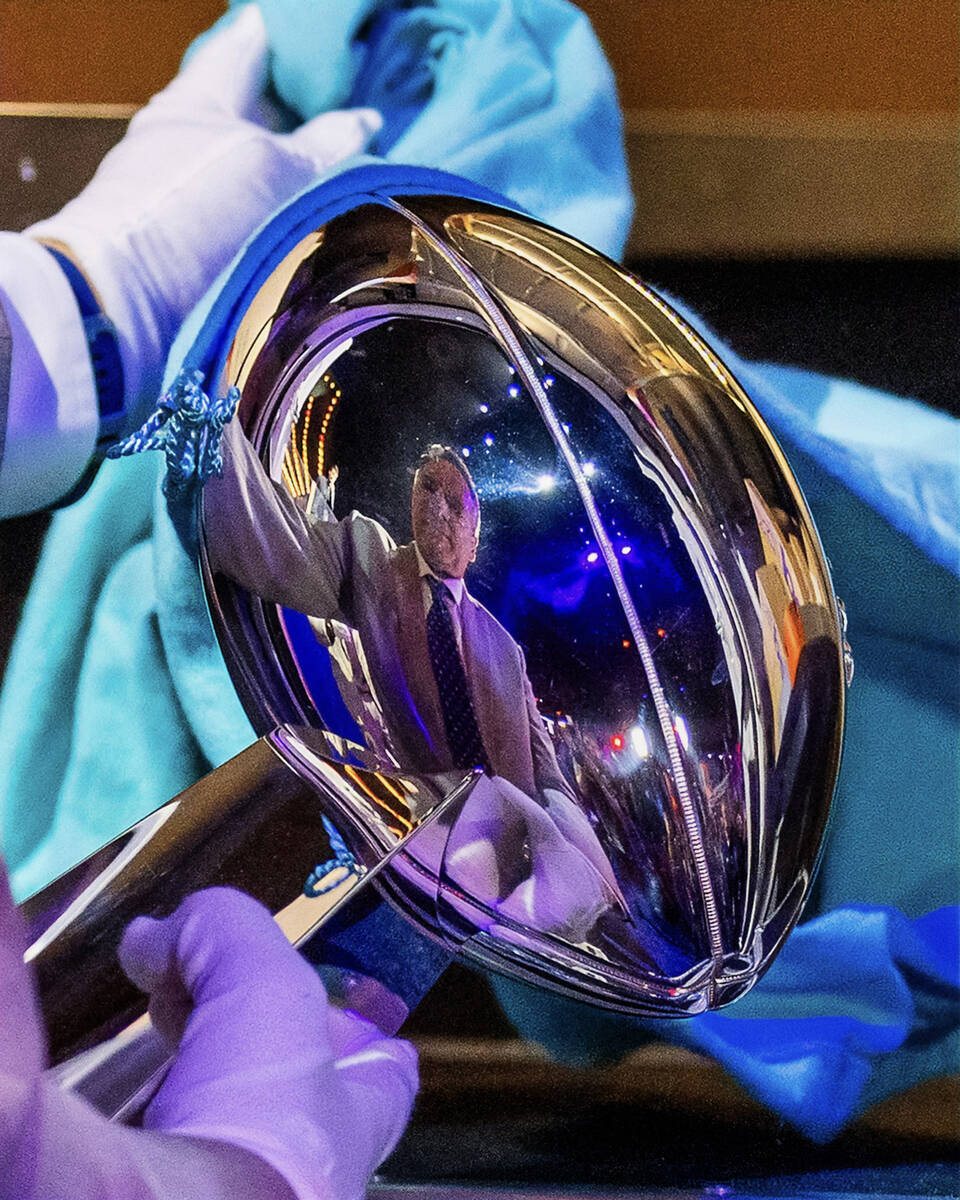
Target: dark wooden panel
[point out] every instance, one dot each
(98, 50)
(799, 55)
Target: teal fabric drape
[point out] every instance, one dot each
(861, 1003)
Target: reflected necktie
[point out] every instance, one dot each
(459, 719)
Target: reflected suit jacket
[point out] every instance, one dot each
(353, 571)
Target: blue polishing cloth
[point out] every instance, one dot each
(861, 1003)
(116, 696)
(515, 95)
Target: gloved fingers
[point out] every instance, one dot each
(575, 826)
(474, 866)
(332, 137)
(564, 898)
(147, 954)
(382, 1097)
(264, 1063)
(225, 938)
(508, 852)
(221, 958)
(354, 1040)
(226, 73)
(22, 1050)
(381, 1075)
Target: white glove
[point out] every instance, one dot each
(194, 176)
(276, 1095)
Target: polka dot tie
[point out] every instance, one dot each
(459, 719)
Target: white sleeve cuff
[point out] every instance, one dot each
(51, 419)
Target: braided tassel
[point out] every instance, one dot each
(187, 426)
(341, 858)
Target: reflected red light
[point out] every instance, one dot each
(616, 742)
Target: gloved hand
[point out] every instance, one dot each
(263, 1061)
(194, 176)
(273, 1095)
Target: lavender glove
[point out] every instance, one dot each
(263, 1061)
(272, 1096)
(541, 867)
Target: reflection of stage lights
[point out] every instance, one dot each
(465, 451)
(488, 440)
(484, 408)
(593, 556)
(625, 549)
(616, 742)
(682, 732)
(513, 391)
(639, 742)
(589, 469)
(546, 483)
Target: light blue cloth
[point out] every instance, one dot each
(116, 696)
(860, 1003)
(516, 95)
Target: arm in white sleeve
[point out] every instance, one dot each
(258, 537)
(195, 175)
(48, 401)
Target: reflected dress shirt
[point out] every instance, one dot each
(454, 586)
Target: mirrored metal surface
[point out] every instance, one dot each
(629, 623)
(274, 821)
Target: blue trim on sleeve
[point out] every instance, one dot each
(103, 347)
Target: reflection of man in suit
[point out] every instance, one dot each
(451, 680)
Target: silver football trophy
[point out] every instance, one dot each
(599, 757)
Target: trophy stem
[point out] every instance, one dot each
(265, 822)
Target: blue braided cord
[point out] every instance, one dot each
(341, 858)
(187, 426)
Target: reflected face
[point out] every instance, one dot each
(446, 519)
